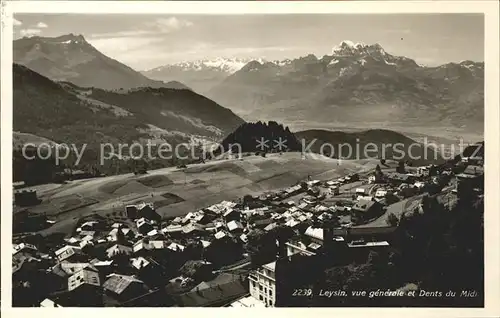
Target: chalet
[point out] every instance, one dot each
(298, 247)
(220, 235)
(380, 193)
(147, 269)
(143, 210)
(25, 198)
(143, 246)
(103, 267)
(365, 210)
(113, 234)
(176, 247)
(70, 254)
(123, 287)
(399, 178)
(48, 303)
(24, 248)
(85, 287)
(72, 268)
(235, 226)
(193, 229)
(232, 215)
(363, 244)
(244, 238)
(270, 227)
(144, 225)
(262, 223)
(471, 177)
(376, 233)
(86, 241)
(172, 229)
(87, 226)
(316, 235)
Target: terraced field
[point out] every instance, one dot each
(180, 191)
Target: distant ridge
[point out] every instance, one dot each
(373, 143)
(71, 58)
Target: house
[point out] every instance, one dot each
(472, 177)
(87, 226)
(399, 178)
(176, 247)
(202, 218)
(317, 236)
(47, 303)
(143, 246)
(369, 234)
(147, 269)
(147, 211)
(270, 227)
(365, 210)
(244, 238)
(113, 234)
(363, 244)
(142, 210)
(298, 247)
(72, 268)
(262, 223)
(235, 226)
(172, 229)
(193, 229)
(103, 267)
(292, 223)
(70, 253)
(85, 287)
(247, 302)
(123, 287)
(215, 295)
(263, 284)
(144, 225)
(24, 248)
(219, 235)
(25, 198)
(380, 193)
(232, 215)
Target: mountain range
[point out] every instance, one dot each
(71, 58)
(356, 84)
(200, 75)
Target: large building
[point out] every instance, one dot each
(263, 284)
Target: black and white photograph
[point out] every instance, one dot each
(261, 160)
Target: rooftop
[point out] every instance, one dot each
(82, 277)
(118, 283)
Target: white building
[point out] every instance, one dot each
(263, 284)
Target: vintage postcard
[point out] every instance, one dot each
(251, 155)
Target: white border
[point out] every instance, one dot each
(492, 220)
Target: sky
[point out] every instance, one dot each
(147, 41)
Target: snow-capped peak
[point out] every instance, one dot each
(221, 64)
(347, 45)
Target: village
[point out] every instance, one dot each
(224, 254)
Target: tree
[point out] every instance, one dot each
(392, 219)
(197, 270)
(401, 167)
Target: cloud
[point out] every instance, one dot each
(120, 34)
(170, 24)
(151, 29)
(42, 25)
(17, 22)
(29, 32)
